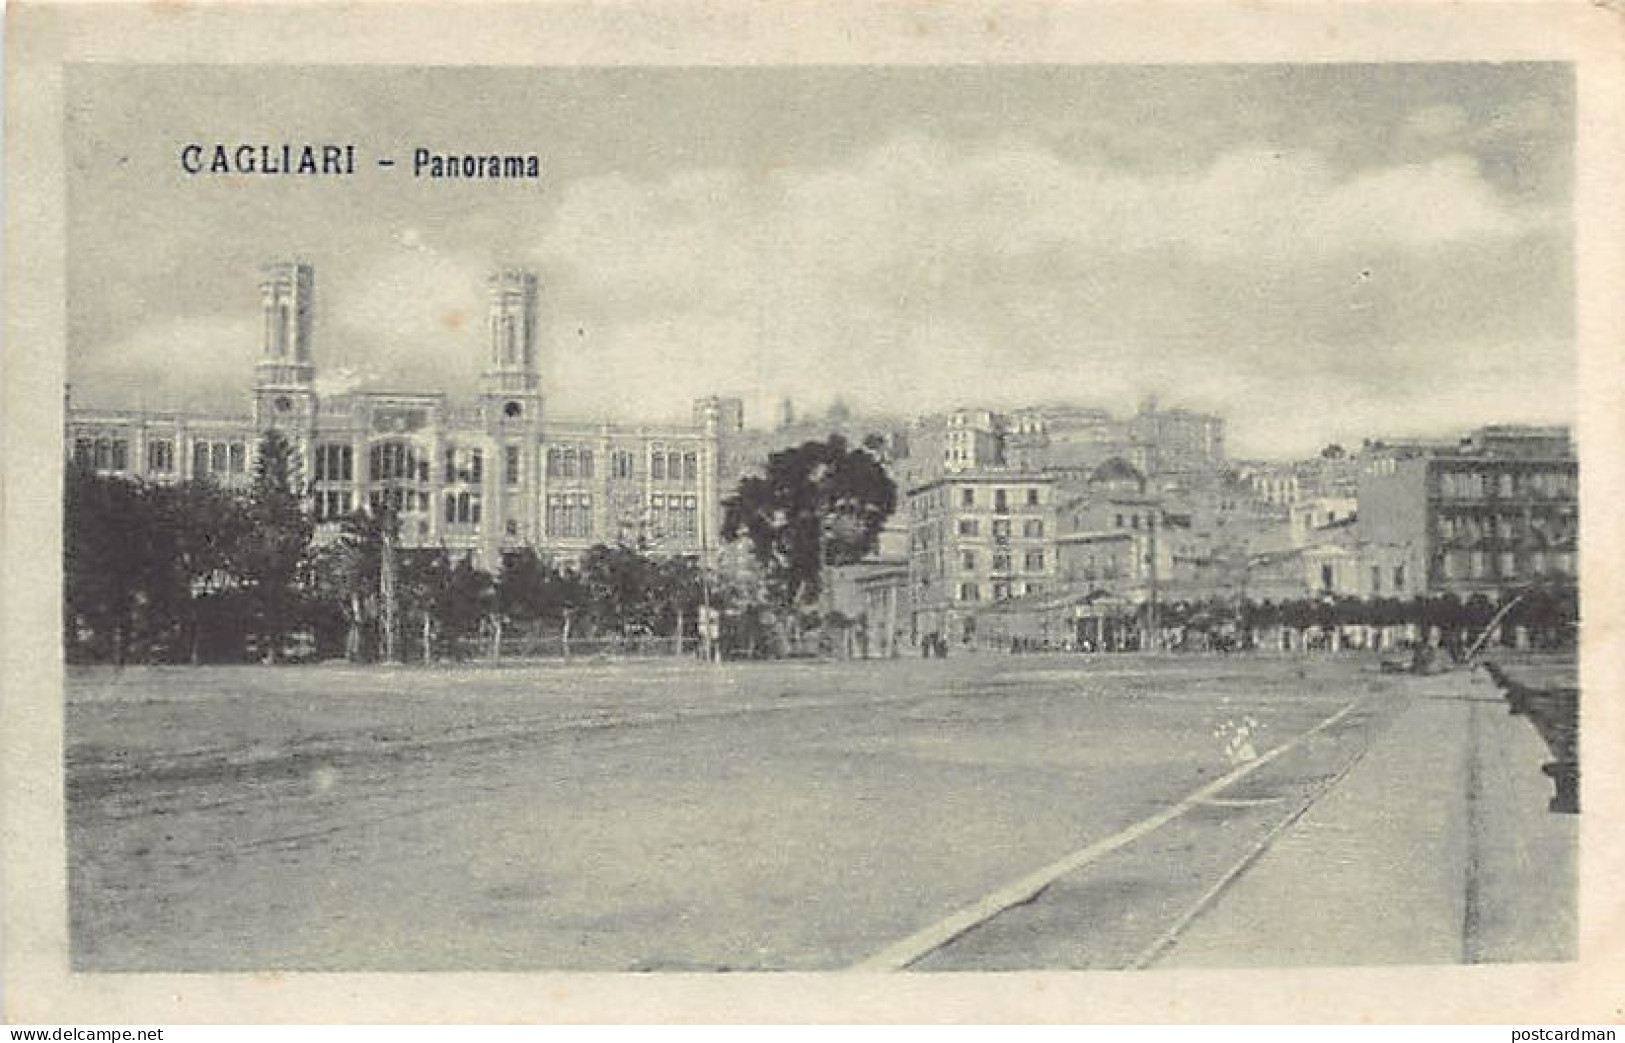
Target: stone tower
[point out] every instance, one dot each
(285, 376)
(510, 384)
(511, 403)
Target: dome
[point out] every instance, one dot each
(1118, 472)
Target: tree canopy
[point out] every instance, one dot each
(277, 538)
(819, 504)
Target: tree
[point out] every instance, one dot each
(820, 504)
(622, 587)
(424, 576)
(521, 588)
(532, 590)
(345, 573)
(208, 529)
(465, 600)
(681, 587)
(277, 540)
(111, 563)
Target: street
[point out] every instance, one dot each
(674, 816)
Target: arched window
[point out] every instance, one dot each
(280, 334)
(508, 340)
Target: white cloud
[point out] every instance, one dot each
(917, 209)
(918, 272)
(414, 312)
(187, 362)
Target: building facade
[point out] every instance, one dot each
(1495, 514)
(477, 478)
(977, 538)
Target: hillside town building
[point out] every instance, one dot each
(1497, 512)
(1056, 525)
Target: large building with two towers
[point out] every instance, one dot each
(477, 477)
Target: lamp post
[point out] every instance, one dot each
(710, 627)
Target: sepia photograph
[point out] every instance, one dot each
(690, 518)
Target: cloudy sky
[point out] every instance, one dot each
(1318, 252)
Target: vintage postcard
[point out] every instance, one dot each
(1035, 512)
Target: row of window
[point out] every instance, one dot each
(673, 466)
(674, 515)
(1476, 564)
(1376, 579)
(1475, 485)
(334, 463)
(331, 504)
(1000, 591)
(1033, 561)
(217, 458)
(208, 458)
(569, 462)
(1502, 526)
(400, 501)
(1030, 527)
(1003, 499)
(397, 461)
(664, 465)
(387, 462)
(104, 454)
(462, 508)
(569, 515)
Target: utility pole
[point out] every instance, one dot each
(1153, 614)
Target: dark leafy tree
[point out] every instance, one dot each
(521, 588)
(277, 540)
(682, 586)
(209, 528)
(111, 548)
(820, 504)
(423, 577)
(623, 589)
(465, 600)
(346, 572)
(531, 589)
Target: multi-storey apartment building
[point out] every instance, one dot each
(1497, 512)
(480, 477)
(975, 538)
(1176, 441)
